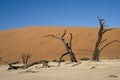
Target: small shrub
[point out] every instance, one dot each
(58, 60)
(62, 60)
(54, 60)
(85, 59)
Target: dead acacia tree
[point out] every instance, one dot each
(12, 66)
(25, 58)
(68, 46)
(102, 31)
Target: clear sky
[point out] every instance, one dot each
(21, 13)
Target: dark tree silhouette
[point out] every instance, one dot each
(102, 30)
(25, 58)
(68, 46)
(0, 58)
(44, 62)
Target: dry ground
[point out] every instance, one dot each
(86, 70)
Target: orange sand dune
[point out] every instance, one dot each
(32, 40)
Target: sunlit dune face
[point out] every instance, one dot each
(32, 40)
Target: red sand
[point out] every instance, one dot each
(32, 40)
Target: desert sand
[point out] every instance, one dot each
(32, 40)
(85, 70)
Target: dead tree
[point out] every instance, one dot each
(102, 30)
(44, 62)
(68, 46)
(0, 58)
(25, 58)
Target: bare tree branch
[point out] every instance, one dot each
(63, 34)
(61, 58)
(13, 67)
(108, 44)
(105, 30)
(100, 20)
(25, 58)
(52, 36)
(70, 41)
(103, 41)
(56, 36)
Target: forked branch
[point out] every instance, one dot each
(105, 30)
(68, 46)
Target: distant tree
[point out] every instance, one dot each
(0, 57)
(102, 30)
(68, 46)
(25, 58)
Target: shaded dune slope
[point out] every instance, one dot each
(32, 40)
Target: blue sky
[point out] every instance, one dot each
(21, 13)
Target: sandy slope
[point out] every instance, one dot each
(104, 70)
(15, 42)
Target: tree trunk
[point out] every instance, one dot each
(96, 53)
(72, 56)
(97, 50)
(68, 47)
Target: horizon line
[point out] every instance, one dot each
(57, 26)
